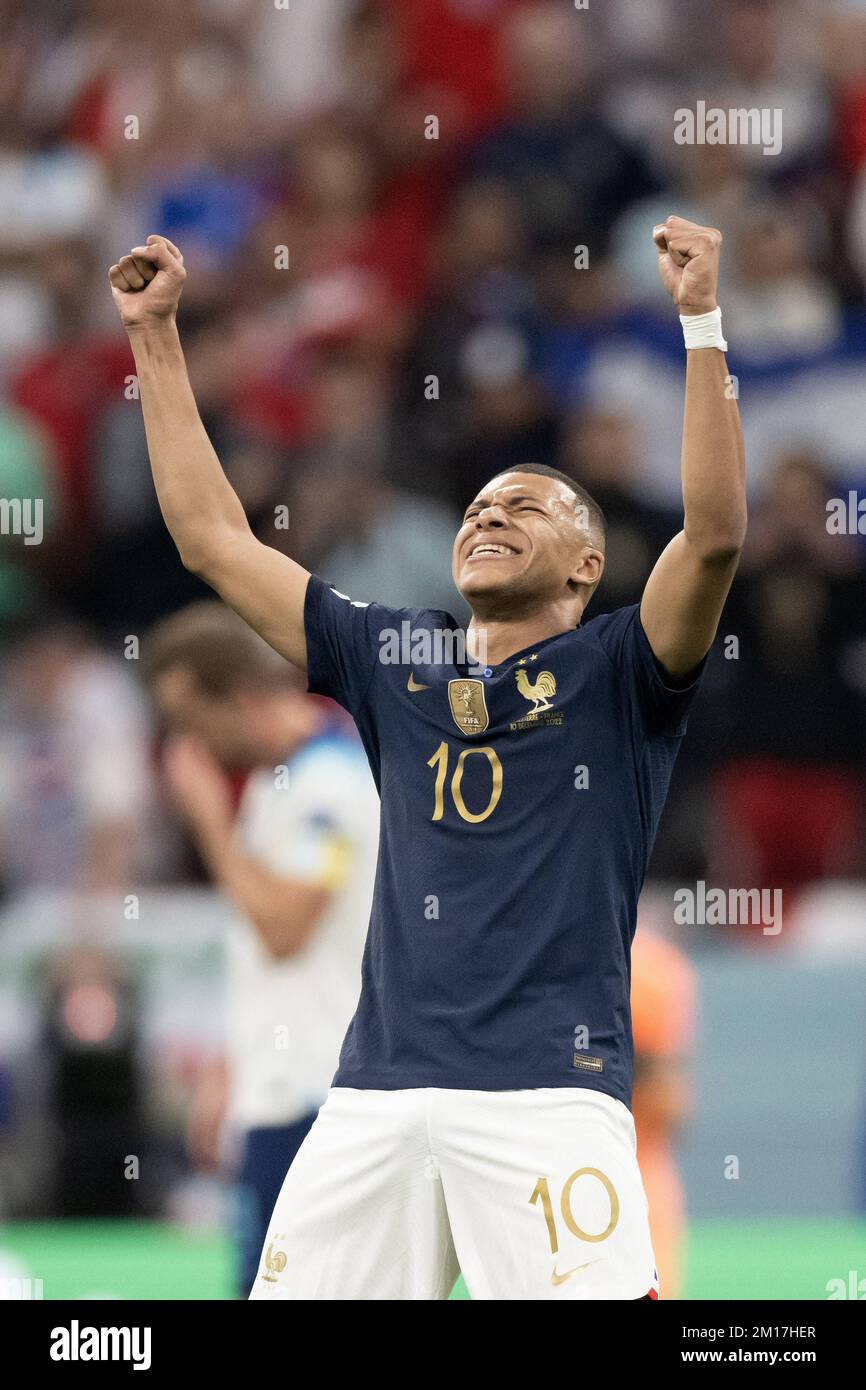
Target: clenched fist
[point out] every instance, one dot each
(146, 285)
(689, 263)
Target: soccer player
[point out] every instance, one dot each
(298, 862)
(479, 1115)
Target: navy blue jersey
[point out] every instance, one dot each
(519, 808)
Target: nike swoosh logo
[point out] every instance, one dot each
(556, 1279)
(413, 685)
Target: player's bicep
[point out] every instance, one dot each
(682, 604)
(267, 589)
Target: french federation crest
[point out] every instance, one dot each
(468, 706)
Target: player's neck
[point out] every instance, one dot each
(492, 640)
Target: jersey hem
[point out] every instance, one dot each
(376, 1081)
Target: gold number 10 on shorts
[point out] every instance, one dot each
(541, 1193)
(440, 761)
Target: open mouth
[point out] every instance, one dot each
(491, 550)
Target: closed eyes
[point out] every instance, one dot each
(520, 507)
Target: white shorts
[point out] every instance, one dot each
(531, 1194)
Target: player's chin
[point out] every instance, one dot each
(485, 578)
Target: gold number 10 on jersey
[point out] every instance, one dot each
(541, 1193)
(440, 762)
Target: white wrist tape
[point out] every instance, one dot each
(703, 330)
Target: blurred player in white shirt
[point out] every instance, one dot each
(298, 861)
(76, 787)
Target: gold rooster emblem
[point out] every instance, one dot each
(275, 1263)
(538, 691)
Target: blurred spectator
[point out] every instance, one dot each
(348, 521)
(706, 184)
(663, 1004)
(96, 1089)
(789, 793)
(573, 174)
(296, 52)
(761, 59)
(776, 282)
(65, 386)
(75, 779)
(599, 451)
(450, 55)
(51, 192)
(26, 476)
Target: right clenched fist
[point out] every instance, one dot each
(146, 285)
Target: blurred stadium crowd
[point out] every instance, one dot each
(383, 309)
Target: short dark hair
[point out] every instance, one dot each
(216, 647)
(595, 514)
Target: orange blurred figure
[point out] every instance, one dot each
(663, 992)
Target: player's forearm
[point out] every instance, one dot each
(200, 507)
(284, 912)
(713, 459)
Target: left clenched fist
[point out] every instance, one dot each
(689, 263)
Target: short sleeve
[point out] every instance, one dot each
(664, 707)
(308, 830)
(343, 643)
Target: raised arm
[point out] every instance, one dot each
(685, 594)
(201, 509)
